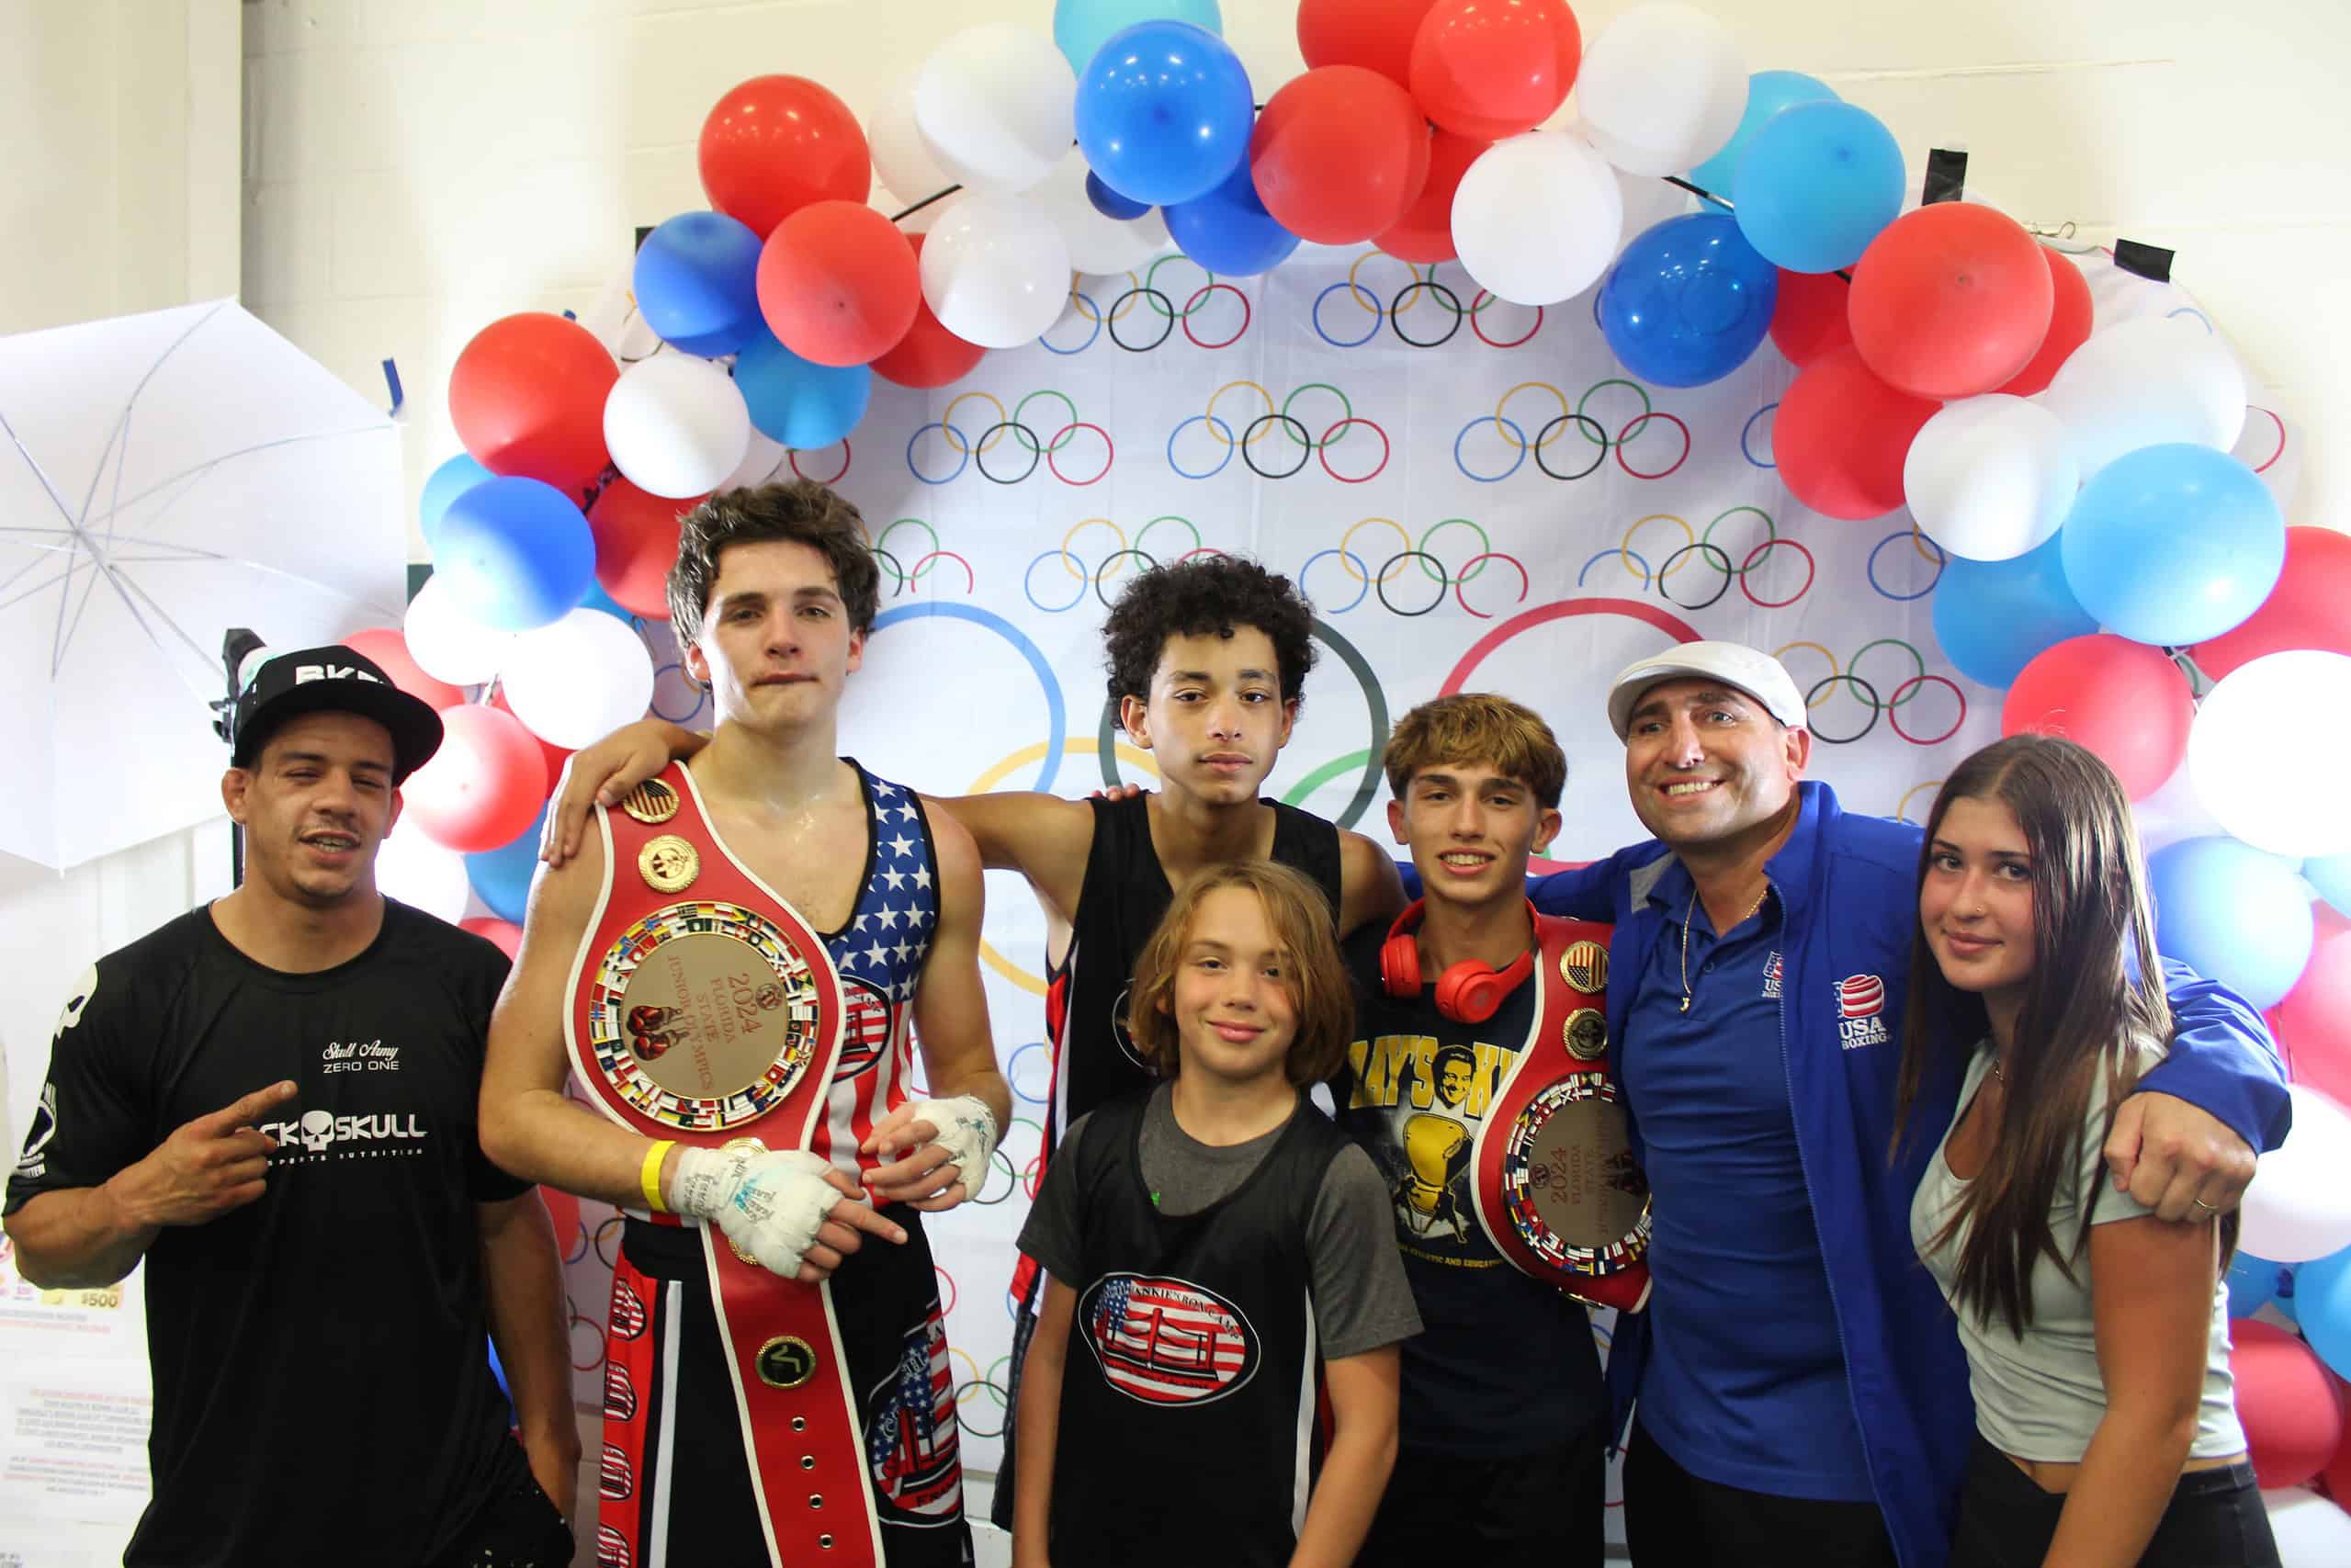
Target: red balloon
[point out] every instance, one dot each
(2314, 1022)
(1950, 300)
(2306, 609)
(483, 787)
(388, 648)
(505, 934)
(2120, 699)
(2069, 326)
(636, 536)
(838, 283)
(928, 355)
(2337, 1477)
(1424, 235)
(555, 756)
(527, 396)
(1494, 68)
(2286, 1399)
(776, 144)
(1809, 319)
(1339, 154)
(1841, 435)
(1375, 34)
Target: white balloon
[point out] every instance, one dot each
(996, 105)
(1662, 88)
(1098, 243)
(1990, 477)
(2310, 1531)
(996, 271)
(421, 875)
(902, 160)
(1537, 218)
(446, 643)
(761, 460)
(2298, 1206)
(676, 425)
(2278, 797)
(579, 679)
(2144, 382)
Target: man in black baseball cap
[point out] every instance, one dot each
(271, 1101)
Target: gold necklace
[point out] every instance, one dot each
(1689, 914)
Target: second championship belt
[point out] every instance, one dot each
(1552, 1172)
(702, 1007)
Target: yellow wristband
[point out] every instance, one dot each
(649, 1176)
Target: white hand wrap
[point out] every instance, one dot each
(769, 1203)
(966, 1132)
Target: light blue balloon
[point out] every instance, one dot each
(1081, 27)
(1816, 184)
(2331, 875)
(448, 482)
(696, 281)
(803, 404)
(2323, 1308)
(501, 878)
(1229, 230)
(2253, 1283)
(1994, 617)
(2232, 914)
(1767, 91)
(1164, 113)
(516, 553)
(1688, 301)
(2175, 544)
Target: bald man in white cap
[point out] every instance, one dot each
(1802, 1394)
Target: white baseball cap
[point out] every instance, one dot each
(1749, 669)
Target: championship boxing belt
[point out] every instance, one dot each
(1553, 1176)
(702, 1005)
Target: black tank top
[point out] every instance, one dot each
(1124, 893)
(1191, 1353)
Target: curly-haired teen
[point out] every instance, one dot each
(1219, 1250)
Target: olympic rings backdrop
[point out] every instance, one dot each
(1474, 496)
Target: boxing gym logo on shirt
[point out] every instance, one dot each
(1860, 999)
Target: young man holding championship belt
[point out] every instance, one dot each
(730, 968)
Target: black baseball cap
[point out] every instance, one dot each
(333, 680)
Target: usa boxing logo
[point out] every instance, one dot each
(1163, 1341)
(1860, 999)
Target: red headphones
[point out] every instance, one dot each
(1467, 992)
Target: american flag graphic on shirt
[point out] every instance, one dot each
(911, 1440)
(1166, 1341)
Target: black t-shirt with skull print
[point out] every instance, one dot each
(323, 1392)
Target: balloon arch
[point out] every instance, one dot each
(2105, 559)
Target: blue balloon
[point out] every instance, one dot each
(1994, 617)
(802, 404)
(2253, 1283)
(2323, 1308)
(2331, 875)
(2175, 544)
(501, 878)
(598, 599)
(516, 553)
(1164, 113)
(1688, 301)
(1110, 204)
(448, 482)
(1081, 27)
(2232, 914)
(1767, 91)
(697, 283)
(1229, 230)
(1816, 184)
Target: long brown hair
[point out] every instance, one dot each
(2094, 1000)
(1300, 919)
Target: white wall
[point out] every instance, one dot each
(415, 168)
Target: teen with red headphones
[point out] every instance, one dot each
(1467, 1007)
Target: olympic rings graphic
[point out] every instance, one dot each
(2271, 461)
(1902, 693)
(973, 452)
(1867, 690)
(1076, 297)
(1432, 567)
(1057, 718)
(1859, 688)
(1585, 424)
(1527, 620)
(595, 1340)
(1922, 544)
(996, 1161)
(1748, 430)
(1362, 576)
(1013, 1069)
(1518, 438)
(1902, 806)
(1397, 307)
(1374, 700)
(1282, 419)
(1360, 294)
(834, 477)
(700, 696)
